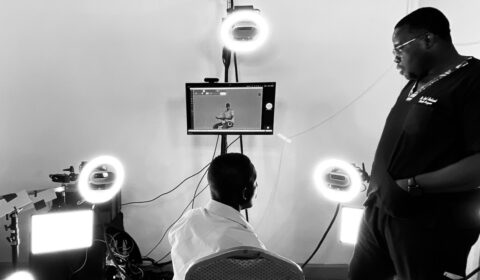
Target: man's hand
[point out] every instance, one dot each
(363, 173)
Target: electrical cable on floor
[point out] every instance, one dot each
(323, 237)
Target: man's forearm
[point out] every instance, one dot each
(461, 176)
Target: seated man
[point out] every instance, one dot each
(227, 118)
(219, 225)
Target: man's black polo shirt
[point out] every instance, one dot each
(438, 127)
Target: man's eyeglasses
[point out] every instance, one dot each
(397, 51)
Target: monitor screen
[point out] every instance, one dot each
(230, 108)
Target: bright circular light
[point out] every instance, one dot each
(247, 19)
(100, 196)
(329, 190)
(20, 275)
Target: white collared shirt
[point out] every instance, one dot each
(204, 231)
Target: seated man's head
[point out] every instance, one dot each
(232, 178)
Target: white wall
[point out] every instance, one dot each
(83, 78)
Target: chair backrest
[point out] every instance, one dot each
(242, 263)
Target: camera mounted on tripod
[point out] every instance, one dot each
(66, 178)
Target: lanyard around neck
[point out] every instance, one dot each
(414, 91)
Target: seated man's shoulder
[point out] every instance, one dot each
(188, 218)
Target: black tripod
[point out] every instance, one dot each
(14, 238)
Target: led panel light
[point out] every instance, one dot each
(61, 231)
(350, 224)
(337, 180)
(20, 275)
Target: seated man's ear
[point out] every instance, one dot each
(244, 193)
(247, 197)
(247, 193)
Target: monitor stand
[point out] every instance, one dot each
(223, 144)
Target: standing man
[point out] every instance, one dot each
(219, 225)
(423, 207)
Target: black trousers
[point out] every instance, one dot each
(389, 247)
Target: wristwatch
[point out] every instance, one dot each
(413, 188)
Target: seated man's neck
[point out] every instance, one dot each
(234, 205)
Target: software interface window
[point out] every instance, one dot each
(210, 107)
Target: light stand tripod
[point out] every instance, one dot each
(226, 57)
(11, 204)
(14, 238)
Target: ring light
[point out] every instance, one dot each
(337, 180)
(100, 196)
(244, 31)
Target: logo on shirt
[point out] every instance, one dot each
(427, 100)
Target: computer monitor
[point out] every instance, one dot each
(230, 108)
